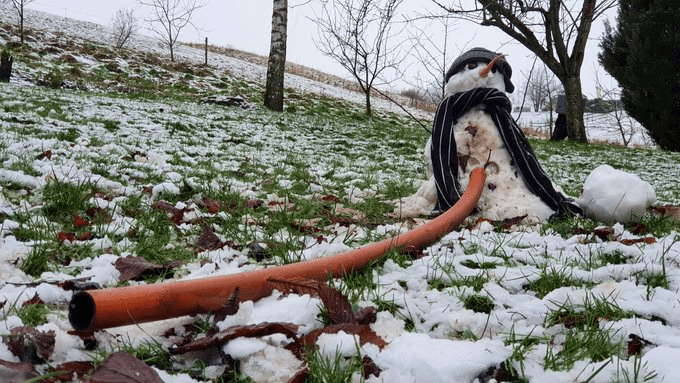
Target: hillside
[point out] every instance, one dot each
(120, 168)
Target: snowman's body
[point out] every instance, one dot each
(479, 143)
(505, 195)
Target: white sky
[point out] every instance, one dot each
(246, 25)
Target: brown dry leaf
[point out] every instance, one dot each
(30, 344)
(338, 308)
(46, 154)
(366, 316)
(370, 368)
(121, 367)
(298, 285)
(212, 205)
(78, 284)
(166, 206)
(230, 307)
(253, 203)
(208, 240)
(647, 240)
(366, 335)
(79, 221)
(509, 222)
(19, 371)
(331, 198)
(63, 236)
(604, 233)
(306, 226)
(33, 301)
(300, 376)
(99, 214)
(135, 268)
(668, 211)
(356, 215)
(251, 331)
(69, 369)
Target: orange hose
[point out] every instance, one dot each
(97, 309)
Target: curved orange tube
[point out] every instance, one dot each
(96, 309)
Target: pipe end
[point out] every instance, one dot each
(81, 311)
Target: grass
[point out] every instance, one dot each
(333, 368)
(148, 132)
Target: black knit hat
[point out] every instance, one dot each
(482, 54)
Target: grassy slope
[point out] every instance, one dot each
(318, 144)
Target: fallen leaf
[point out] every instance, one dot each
(212, 205)
(253, 203)
(668, 211)
(69, 369)
(136, 268)
(647, 240)
(46, 154)
(370, 368)
(300, 377)
(230, 307)
(604, 233)
(63, 236)
(338, 308)
(121, 367)
(250, 331)
(19, 371)
(33, 301)
(208, 240)
(79, 221)
(365, 333)
(331, 198)
(366, 316)
(297, 285)
(31, 345)
(98, 214)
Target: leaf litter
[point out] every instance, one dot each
(444, 341)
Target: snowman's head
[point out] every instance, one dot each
(479, 68)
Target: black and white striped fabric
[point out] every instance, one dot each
(445, 158)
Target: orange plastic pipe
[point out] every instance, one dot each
(97, 309)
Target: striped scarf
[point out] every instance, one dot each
(445, 158)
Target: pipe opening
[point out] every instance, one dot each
(81, 311)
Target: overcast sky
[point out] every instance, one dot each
(246, 25)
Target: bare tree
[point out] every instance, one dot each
(542, 89)
(273, 95)
(357, 34)
(19, 7)
(123, 26)
(626, 126)
(170, 17)
(536, 89)
(555, 30)
(432, 54)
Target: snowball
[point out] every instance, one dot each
(611, 195)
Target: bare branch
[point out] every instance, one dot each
(357, 35)
(170, 17)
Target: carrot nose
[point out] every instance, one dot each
(485, 71)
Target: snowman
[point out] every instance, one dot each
(473, 127)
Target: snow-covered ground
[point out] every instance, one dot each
(431, 336)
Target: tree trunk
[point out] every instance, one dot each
(576, 130)
(369, 112)
(273, 96)
(5, 66)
